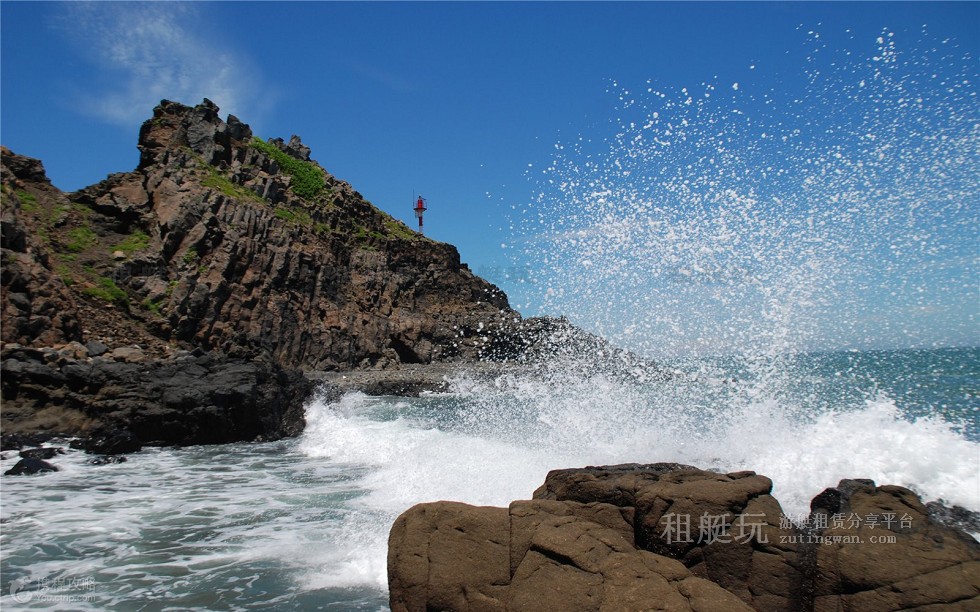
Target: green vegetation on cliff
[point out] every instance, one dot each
(28, 202)
(81, 238)
(137, 241)
(295, 215)
(215, 180)
(308, 178)
(107, 290)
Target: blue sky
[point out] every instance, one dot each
(461, 102)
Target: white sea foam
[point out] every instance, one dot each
(727, 220)
(498, 443)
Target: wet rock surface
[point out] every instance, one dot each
(119, 406)
(30, 466)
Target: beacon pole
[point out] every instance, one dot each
(419, 209)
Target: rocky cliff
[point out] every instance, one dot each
(220, 240)
(673, 537)
(220, 247)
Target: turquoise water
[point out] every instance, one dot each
(302, 524)
(942, 383)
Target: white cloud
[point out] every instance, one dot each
(148, 51)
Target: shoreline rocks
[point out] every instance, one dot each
(674, 537)
(119, 406)
(28, 466)
(410, 380)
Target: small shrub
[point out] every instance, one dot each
(225, 186)
(65, 273)
(399, 230)
(308, 179)
(152, 306)
(28, 203)
(191, 255)
(81, 209)
(81, 238)
(106, 289)
(137, 241)
(59, 214)
(294, 215)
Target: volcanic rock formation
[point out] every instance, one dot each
(222, 243)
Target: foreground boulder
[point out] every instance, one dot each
(673, 537)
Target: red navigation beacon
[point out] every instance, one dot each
(419, 209)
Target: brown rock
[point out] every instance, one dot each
(129, 354)
(881, 551)
(37, 308)
(527, 516)
(236, 261)
(580, 554)
(724, 527)
(450, 556)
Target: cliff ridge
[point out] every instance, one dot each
(223, 245)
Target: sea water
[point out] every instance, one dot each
(303, 523)
(768, 226)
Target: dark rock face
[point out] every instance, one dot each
(110, 442)
(120, 406)
(42, 453)
(543, 342)
(29, 466)
(954, 516)
(673, 537)
(36, 305)
(107, 460)
(18, 441)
